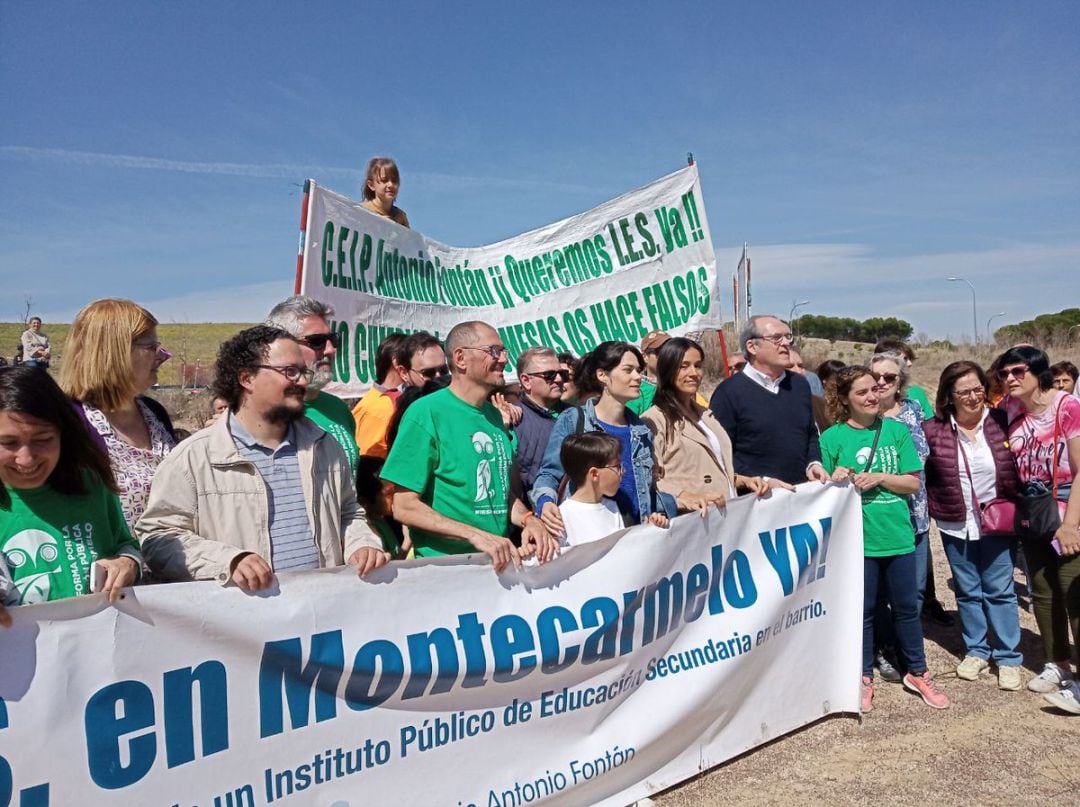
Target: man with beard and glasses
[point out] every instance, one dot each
(261, 491)
(305, 319)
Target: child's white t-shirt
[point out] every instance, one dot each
(586, 522)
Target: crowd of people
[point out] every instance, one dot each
(441, 456)
(100, 491)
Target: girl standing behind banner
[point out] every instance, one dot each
(58, 512)
(878, 456)
(381, 186)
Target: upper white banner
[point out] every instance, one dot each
(619, 669)
(639, 263)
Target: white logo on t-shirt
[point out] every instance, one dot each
(485, 447)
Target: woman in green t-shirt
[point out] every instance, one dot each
(59, 513)
(878, 457)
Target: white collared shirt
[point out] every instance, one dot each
(983, 474)
(762, 380)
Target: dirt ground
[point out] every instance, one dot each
(990, 748)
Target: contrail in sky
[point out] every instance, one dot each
(279, 170)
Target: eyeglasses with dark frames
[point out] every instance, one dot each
(431, 372)
(318, 341)
(496, 352)
(550, 375)
(291, 372)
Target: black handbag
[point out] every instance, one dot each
(1037, 513)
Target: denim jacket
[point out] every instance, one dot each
(650, 500)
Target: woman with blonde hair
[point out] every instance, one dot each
(111, 358)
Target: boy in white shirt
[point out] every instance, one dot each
(593, 463)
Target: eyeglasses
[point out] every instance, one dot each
(550, 375)
(970, 394)
(778, 339)
(317, 341)
(431, 372)
(620, 469)
(495, 351)
(290, 371)
(1016, 372)
(153, 347)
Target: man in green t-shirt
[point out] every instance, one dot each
(305, 319)
(450, 461)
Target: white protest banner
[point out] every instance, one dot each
(619, 669)
(639, 263)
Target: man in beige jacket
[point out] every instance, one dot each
(263, 489)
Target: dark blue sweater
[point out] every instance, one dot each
(771, 435)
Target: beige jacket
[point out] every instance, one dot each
(207, 505)
(688, 461)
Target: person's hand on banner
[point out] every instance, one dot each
(535, 539)
(690, 501)
(501, 550)
(815, 472)
(120, 572)
(841, 474)
(252, 573)
(367, 559)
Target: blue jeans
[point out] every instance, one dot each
(922, 565)
(985, 598)
(897, 574)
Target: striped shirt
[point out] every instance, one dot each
(292, 545)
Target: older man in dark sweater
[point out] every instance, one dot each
(766, 410)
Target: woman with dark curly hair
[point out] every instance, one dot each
(59, 515)
(878, 456)
(1044, 437)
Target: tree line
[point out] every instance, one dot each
(1044, 329)
(852, 330)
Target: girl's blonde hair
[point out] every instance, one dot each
(96, 364)
(377, 168)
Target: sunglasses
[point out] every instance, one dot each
(738, 367)
(885, 379)
(317, 341)
(430, 372)
(550, 375)
(1016, 372)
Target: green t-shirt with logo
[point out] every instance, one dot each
(887, 526)
(457, 457)
(49, 540)
(332, 415)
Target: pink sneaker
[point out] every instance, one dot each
(925, 686)
(867, 695)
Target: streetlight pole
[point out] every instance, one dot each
(974, 310)
(989, 338)
(795, 306)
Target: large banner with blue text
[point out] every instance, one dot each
(619, 669)
(643, 262)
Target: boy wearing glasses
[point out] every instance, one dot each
(593, 464)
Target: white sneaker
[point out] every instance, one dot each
(1009, 679)
(1065, 699)
(970, 667)
(1050, 679)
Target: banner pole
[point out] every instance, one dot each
(303, 237)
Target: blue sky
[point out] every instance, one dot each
(865, 150)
